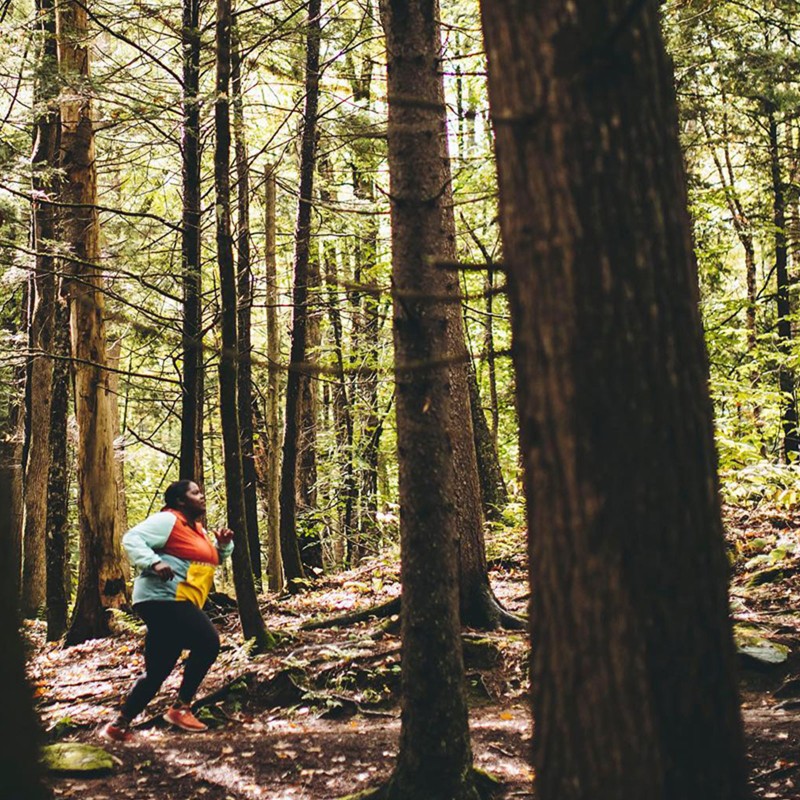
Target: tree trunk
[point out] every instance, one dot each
(273, 424)
(791, 436)
(44, 161)
(15, 436)
(741, 223)
(490, 355)
(366, 335)
(20, 771)
(292, 564)
(307, 496)
(191, 461)
(244, 278)
(101, 581)
(435, 757)
(632, 680)
(479, 607)
(494, 494)
(343, 419)
(57, 521)
(252, 622)
(114, 352)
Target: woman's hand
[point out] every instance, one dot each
(163, 570)
(224, 536)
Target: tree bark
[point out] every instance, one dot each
(44, 163)
(191, 460)
(366, 344)
(307, 496)
(114, 352)
(20, 771)
(791, 435)
(252, 622)
(435, 757)
(15, 436)
(633, 684)
(346, 492)
(273, 427)
(101, 581)
(292, 563)
(57, 520)
(479, 607)
(490, 354)
(494, 494)
(244, 278)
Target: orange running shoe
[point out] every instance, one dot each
(116, 733)
(183, 718)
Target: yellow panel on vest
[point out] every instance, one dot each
(197, 585)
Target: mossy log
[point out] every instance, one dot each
(74, 758)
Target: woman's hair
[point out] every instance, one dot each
(176, 491)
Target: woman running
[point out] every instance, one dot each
(176, 559)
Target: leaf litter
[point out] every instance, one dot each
(318, 717)
(314, 719)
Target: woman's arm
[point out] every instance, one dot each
(141, 541)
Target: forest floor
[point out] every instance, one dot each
(317, 718)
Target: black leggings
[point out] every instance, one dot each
(172, 626)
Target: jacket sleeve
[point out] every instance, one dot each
(141, 541)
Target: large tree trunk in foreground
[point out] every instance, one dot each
(101, 581)
(191, 461)
(632, 680)
(20, 772)
(435, 757)
(292, 564)
(44, 162)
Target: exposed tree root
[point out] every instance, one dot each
(485, 613)
(485, 786)
(387, 609)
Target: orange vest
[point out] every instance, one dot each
(189, 542)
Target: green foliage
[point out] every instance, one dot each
(127, 622)
(506, 540)
(736, 72)
(61, 727)
(762, 481)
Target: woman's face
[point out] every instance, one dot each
(194, 501)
